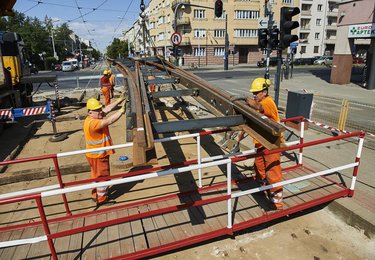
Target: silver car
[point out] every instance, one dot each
(324, 60)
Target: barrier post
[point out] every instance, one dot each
(58, 174)
(302, 132)
(199, 161)
(357, 160)
(229, 192)
(45, 226)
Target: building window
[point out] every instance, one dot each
(219, 33)
(318, 22)
(320, 7)
(316, 49)
(161, 20)
(287, 2)
(161, 36)
(305, 24)
(200, 51)
(317, 35)
(168, 18)
(219, 51)
(245, 14)
(244, 33)
(303, 49)
(199, 14)
(200, 33)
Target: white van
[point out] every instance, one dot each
(67, 66)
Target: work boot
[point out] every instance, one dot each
(106, 202)
(276, 206)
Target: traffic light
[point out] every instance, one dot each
(262, 38)
(287, 25)
(274, 38)
(218, 8)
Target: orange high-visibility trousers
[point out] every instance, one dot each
(267, 167)
(106, 91)
(99, 168)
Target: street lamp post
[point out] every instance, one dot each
(175, 23)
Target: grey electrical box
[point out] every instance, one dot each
(298, 104)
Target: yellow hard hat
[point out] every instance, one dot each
(259, 84)
(105, 72)
(93, 104)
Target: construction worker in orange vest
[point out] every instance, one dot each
(97, 136)
(267, 167)
(105, 85)
(112, 79)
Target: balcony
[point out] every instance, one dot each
(306, 13)
(305, 28)
(331, 40)
(303, 40)
(183, 21)
(334, 1)
(331, 27)
(176, 2)
(185, 41)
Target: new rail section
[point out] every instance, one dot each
(163, 222)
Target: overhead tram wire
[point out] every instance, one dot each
(39, 2)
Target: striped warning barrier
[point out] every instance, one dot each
(30, 111)
(5, 114)
(334, 128)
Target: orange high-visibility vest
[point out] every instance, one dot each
(96, 137)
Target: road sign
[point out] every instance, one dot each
(293, 44)
(176, 38)
(263, 23)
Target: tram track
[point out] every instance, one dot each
(142, 126)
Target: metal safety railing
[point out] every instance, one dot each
(194, 165)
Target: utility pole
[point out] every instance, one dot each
(226, 43)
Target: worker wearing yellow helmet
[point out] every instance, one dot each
(105, 86)
(267, 167)
(97, 135)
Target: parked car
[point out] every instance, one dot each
(262, 62)
(323, 60)
(328, 61)
(358, 60)
(304, 61)
(58, 67)
(67, 66)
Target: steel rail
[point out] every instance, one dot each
(138, 126)
(218, 102)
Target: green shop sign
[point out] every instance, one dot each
(366, 30)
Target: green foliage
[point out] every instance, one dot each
(37, 36)
(117, 49)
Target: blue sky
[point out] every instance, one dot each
(96, 20)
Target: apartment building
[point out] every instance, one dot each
(203, 34)
(318, 26)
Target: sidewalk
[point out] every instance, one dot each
(357, 211)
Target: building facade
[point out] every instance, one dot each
(203, 34)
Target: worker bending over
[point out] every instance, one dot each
(267, 167)
(97, 136)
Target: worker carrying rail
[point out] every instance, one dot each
(267, 167)
(106, 85)
(97, 136)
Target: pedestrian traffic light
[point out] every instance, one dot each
(274, 38)
(262, 38)
(287, 25)
(218, 8)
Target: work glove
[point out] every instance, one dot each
(122, 110)
(237, 97)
